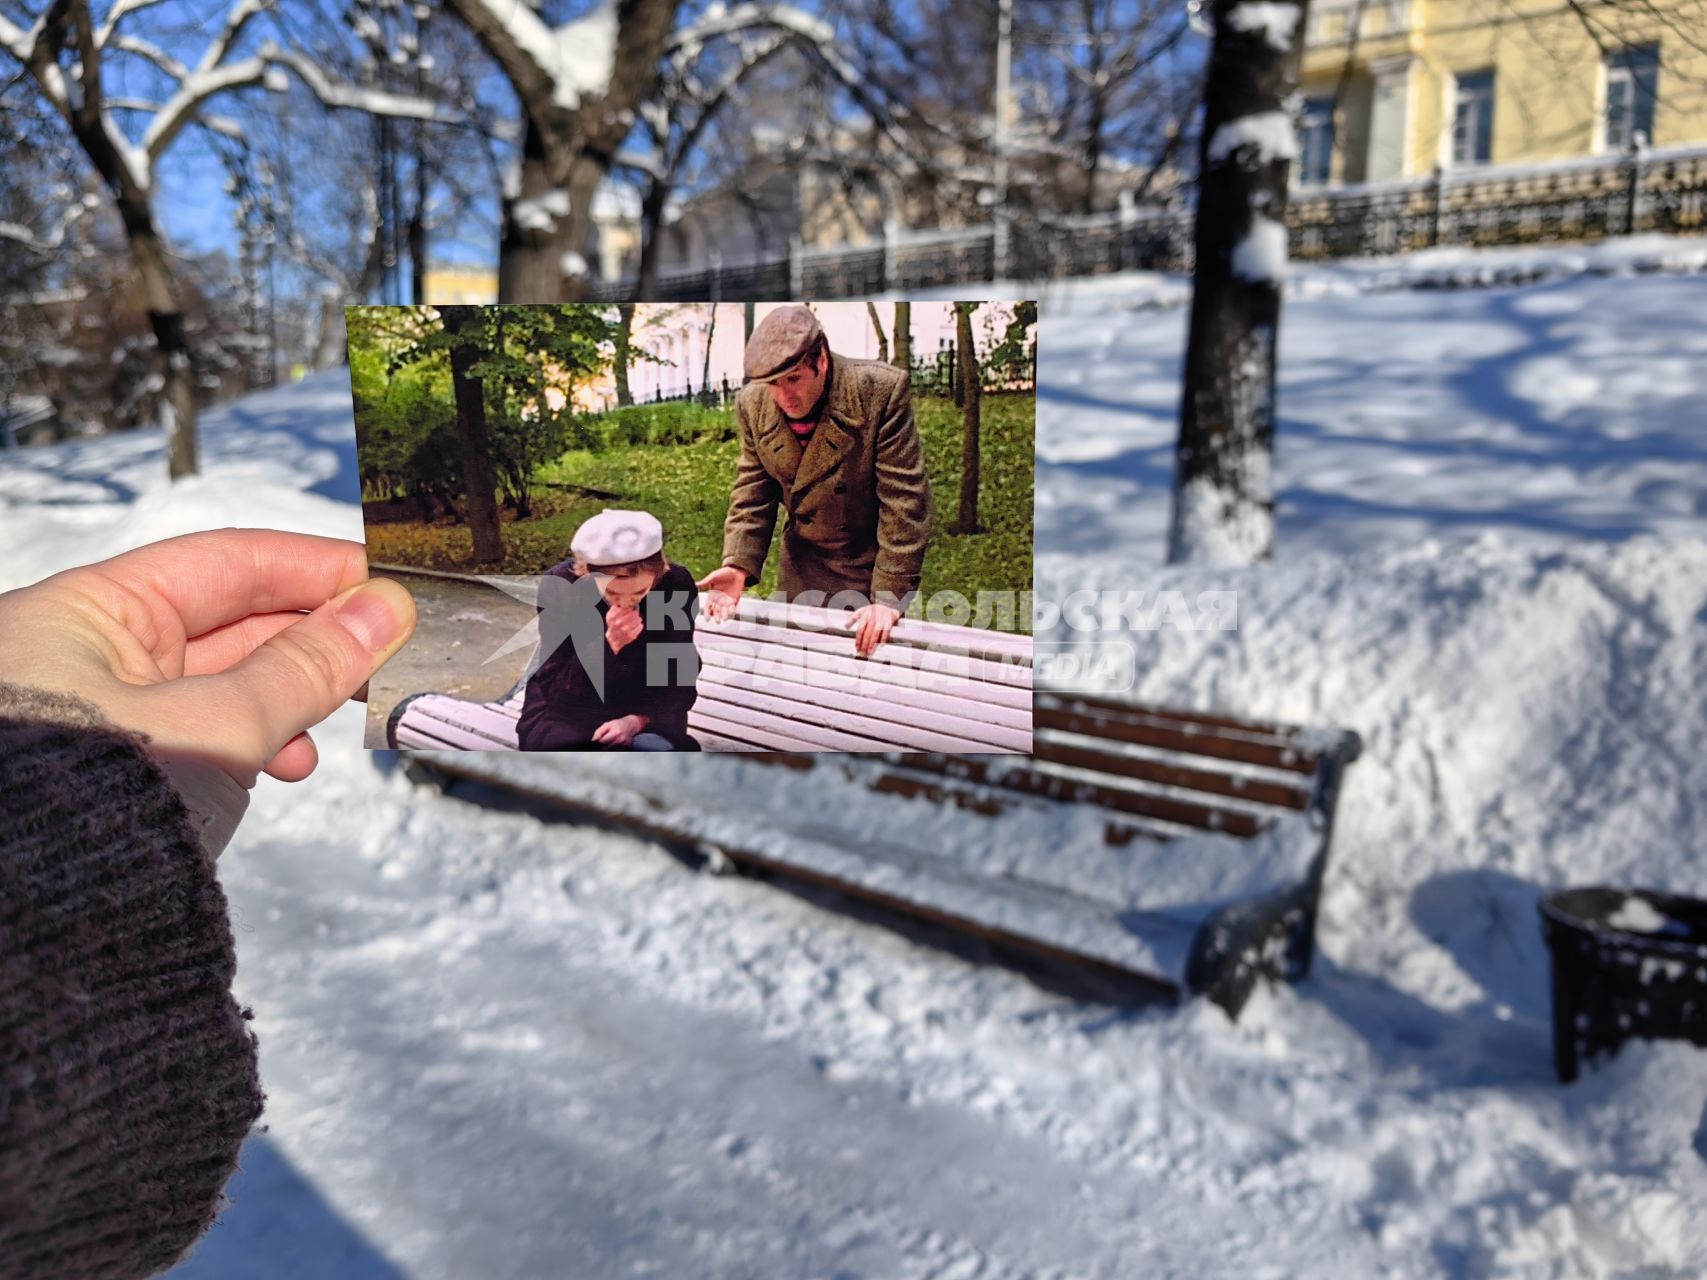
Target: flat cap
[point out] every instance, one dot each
(779, 341)
(618, 537)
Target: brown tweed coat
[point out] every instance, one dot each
(858, 502)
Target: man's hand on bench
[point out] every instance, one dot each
(872, 626)
(723, 587)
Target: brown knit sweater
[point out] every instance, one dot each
(127, 1072)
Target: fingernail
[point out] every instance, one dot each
(369, 618)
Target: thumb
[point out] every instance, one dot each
(308, 670)
(705, 583)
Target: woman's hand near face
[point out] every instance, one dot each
(623, 625)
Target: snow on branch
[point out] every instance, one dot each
(158, 56)
(51, 241)
(1263, 137)
(1276, 21)
(351, 97)
(563, 64)
(192, 92)
(746, 17)
(118, 12)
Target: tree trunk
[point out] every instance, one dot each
(747, 321)
(477, 480)
(624, 328)
(418, 234)
(1223, 488)
(904, 337)
(971, 389)
(651, 228)
(877, 325)
(131, 194)
(541, 252)
(166, 318)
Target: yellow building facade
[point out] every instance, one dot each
(1456, 84)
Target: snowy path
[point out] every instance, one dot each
(471, 1070)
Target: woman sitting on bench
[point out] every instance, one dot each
(618, 664)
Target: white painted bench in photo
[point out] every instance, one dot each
(786, 678)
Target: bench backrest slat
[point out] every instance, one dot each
(1057, 700)
(1252, 790)
(1151, 731)
(1012, 674)
(1056, 784)
(977, 641)
(998, 703)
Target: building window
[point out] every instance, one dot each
(1316, 141)
(1632, 88)
(1473, 118)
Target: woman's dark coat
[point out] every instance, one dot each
(581, 683)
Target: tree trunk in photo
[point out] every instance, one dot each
(904, 337)
(747, 322)
(971, 393)
(462, 323)
(619, 364)
(877, 326)
(1223, 487)
(710, 336)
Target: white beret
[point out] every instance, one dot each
(618, 537)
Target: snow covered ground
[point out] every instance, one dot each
(501, 1047)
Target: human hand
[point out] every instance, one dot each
(723, 587)
(619, 732)
(201, 643)
(872, 626)
(623, 625)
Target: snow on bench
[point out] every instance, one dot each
(1170, 851)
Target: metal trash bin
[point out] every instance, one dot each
(1626, 963)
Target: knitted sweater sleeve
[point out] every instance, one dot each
(127, 1071)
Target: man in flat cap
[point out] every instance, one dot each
(832, 440)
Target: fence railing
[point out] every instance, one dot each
(933, 373)
(1588, 199)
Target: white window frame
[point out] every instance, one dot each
(1454, 101)
(1611, 76)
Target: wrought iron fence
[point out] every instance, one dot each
(1590, 199)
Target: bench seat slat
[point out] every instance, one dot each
(868, 717)
(761, 726)
(949, 715)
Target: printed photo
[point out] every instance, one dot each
(685, 527)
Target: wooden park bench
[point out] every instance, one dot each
(1167, 852)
